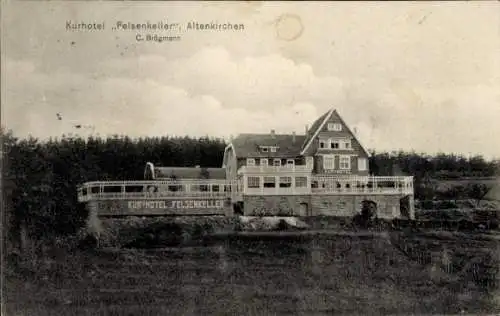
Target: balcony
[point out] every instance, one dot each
(339, 185)
(361, 185)
(275, 169)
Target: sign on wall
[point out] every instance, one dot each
(181, 204)
(158, 207)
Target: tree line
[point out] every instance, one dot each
(39, 178)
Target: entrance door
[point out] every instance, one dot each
(304, 209)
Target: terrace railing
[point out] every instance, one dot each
(112, 190)
(318, 185)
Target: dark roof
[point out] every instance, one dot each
(189, 173)
(247, 145)
(314, 128)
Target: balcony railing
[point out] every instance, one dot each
(112, 190)
(361, 185)
(274, 169)
(331, 185)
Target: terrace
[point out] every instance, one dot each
(283, 184)
(113, 190)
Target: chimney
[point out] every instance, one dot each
(273, 132)
(293, 137)
(307, 129)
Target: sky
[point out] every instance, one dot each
(421, 76)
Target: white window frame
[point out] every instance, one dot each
(251, 162)
(275, 160)
(362, 164)
(290, 162)
(273, 149)
(262, 160)
(265, 180)
(253, 182)
(328, 158)
(336, 127)
(346, 158)
(286, 180)
(264, 149)
(324, 142)
(347, 144)
(299, 184)
(333, 141)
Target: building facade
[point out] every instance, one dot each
(323, 172)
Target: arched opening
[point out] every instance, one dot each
(369, 208)
(404, 206)
(304, 209)
(238, 208)
(368, 214)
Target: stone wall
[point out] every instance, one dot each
(388, 206)
(282, 205)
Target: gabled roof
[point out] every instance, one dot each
(180, 173)
(247, 145)
(319, 124)
(314, 130)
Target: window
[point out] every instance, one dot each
(290, 162)
(328, 162)
(250, 162)
(322, 143)
(264, 149)
(345, 162)
(273, 149)
(347, 144)
(337, 127)
(215, 188)
(277, 162)
(264, 162)
(285, 182)
(300, 182)
(335, 144)
(269, 182)
(253, 182)
(362, 164)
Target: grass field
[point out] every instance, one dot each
(362, 274)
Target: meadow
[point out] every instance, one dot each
(279, 274)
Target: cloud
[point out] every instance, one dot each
(207, 93)
(213, 91)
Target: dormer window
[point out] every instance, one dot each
(250, 162)
(336, 127)
(277, 162)
(273, 149)
(264, 149)
(322, 144)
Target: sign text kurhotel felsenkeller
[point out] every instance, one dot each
(116, 206)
